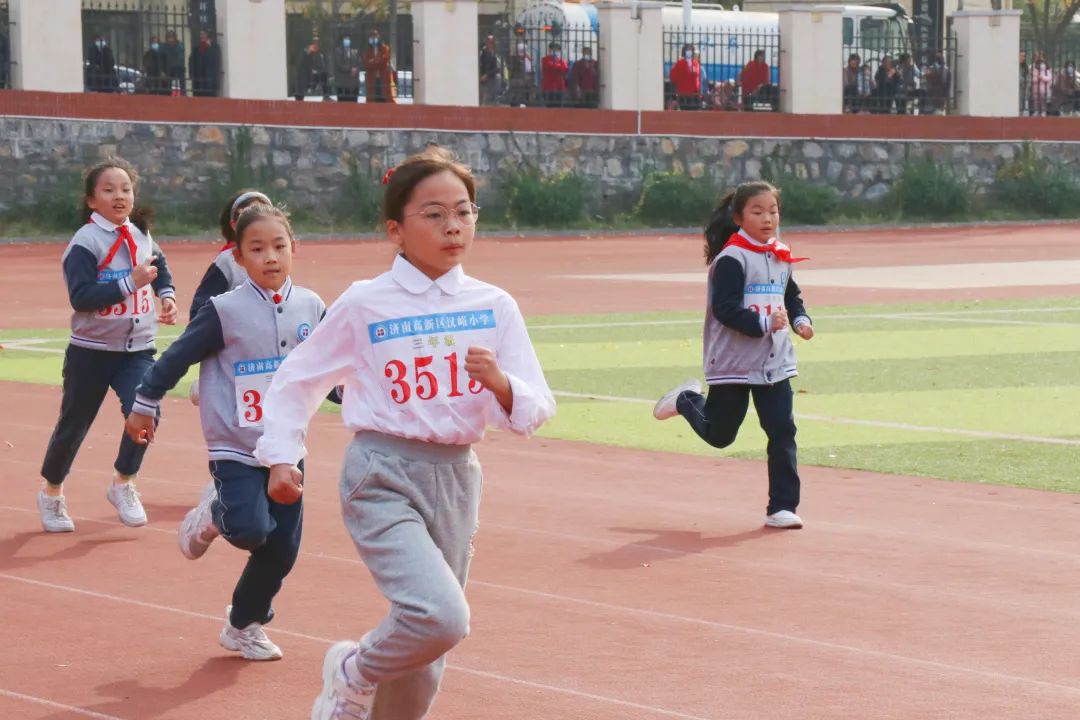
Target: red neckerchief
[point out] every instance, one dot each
(777, 248)
(227, 246)
(123, 237)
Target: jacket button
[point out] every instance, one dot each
(136, 321)
(280, 310)
(282, 343)
(772, 354)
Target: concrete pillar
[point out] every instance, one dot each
(811, 38)
(253, 57)
(631, 56)
(46, 45)
(446, 57)
(987, 75)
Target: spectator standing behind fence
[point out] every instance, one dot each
(155, 79)
(851, 81)
(865, 90)
(379, 71)
(585, 80)
(723, 95)
(311, 72)
(908, 90)
(5, 61)
(174, 62)
(1025, 88)
(347, 71)
(522, 76)
(553, 72)
(101, 67)
(686, 79)
(754, 76)
(938, 80)
(491, 73)
(887, 84)
(1041, 79)
(1065, 91)
(204, 67)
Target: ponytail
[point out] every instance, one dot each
(720, 227)
(142, 218)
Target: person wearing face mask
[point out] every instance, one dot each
(101, 67)
(378, 71)
(585, 80)
(347, 71)
(522, 76)
(155, 79)
(686, 80)
(205, 66)
(553, 72)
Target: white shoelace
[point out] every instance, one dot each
(56, 506)
(129, 496)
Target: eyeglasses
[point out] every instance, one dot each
(440, 216)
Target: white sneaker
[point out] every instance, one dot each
(339, 698)
(126, 500)
(665, 406)
(251, 642)
(54, 514)
(197, 530)
(783, 519)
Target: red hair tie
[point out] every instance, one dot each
(387, 176)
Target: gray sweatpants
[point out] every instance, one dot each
(411, 508)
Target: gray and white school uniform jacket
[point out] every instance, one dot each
(240, 338)
(745, 288)
(110, 313)
(223, 275)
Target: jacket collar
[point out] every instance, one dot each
(268, 295)
(104, 224)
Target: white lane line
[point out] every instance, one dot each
(56, 706)
(327, 641)
(884, 424)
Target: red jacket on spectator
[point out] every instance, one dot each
(553, 74)
(686, 77)
(584, 76)
(754, 74)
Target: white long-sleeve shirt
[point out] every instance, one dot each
(398, 343)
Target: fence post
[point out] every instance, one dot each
(811, 62)
(631, 55)
(987, 74)
(446, 59)
(46, 45)
(253, 54)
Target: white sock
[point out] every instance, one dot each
(352, 672)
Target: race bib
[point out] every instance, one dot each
(140, 302)
(252, 379)
(764, 299)
(422, 358)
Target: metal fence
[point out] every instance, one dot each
(334, 58)
(1049, 83)
(5, 46)
(709, 69)
(549, 65)
(888, 75)
(132, 48)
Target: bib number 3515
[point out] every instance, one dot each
(423, 383)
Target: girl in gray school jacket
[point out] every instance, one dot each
(754, 304)
(239, 338)
(113, 270)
